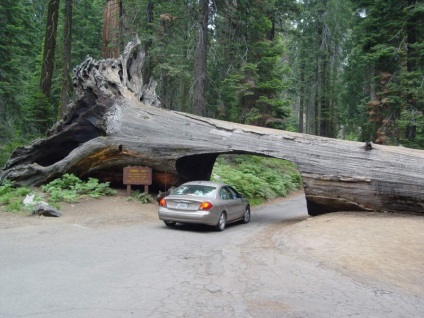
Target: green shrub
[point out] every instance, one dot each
(6, 187)
(143, 197)
(12, 197)
(70, 188)
(14, 206)
(7, 148)
(258, 178)
(6, 198)
(23, 191)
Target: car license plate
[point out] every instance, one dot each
(182, 205)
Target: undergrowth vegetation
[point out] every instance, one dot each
(258, 178)
(70, 188)
(12, 197)
(143, 197)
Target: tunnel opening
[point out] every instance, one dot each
(196, 167)
(260, 178)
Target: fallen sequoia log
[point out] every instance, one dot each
(116, 121)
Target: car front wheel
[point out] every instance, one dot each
(222, 222)
(246, 216)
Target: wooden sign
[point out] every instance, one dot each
(137, 175)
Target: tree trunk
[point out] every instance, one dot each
(116, 122)
(324, 118)
(148, 67)
(302, 96)
(49, 47)
(112, 28)
(411, 28)
(199, 102)
(67, 46)
(316, 110)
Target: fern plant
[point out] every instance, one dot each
(11, 197)
(143, 197)
(258, 178)
(70, 188)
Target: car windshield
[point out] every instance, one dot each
(195, 189)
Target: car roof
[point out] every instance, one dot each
(206, 183)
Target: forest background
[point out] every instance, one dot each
(336, 68)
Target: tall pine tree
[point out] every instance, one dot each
(387, 49)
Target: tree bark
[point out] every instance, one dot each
(200, 69)
(411, 36)
(49, 47)
(302, 96)
(148, 67)
(112, 28)
(116, 122)
(67, 47)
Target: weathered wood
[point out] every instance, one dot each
(115, 122)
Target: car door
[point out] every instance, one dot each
(231, 204)
(238, 203)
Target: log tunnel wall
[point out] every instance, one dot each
(200, 167)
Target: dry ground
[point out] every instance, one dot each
(368, 246)
(106, 211)
(375, 246)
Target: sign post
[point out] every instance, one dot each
(137, 175)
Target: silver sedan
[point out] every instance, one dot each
(204, 202)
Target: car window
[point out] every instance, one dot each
(225, 194)
(195, 189)
(234, 193)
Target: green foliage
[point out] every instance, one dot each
(169, 38)
(14, 206)
(17, 41)
(42, 113)
(87, 30)
(411, 125)
(143, 197)
(318, 56)
(253, 94)
(7, 148)
(383, 78)
(12, 197)
(70, 188)
(24, 112)
(267, 61)
(258, 178)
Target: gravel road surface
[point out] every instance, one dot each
(114, 258)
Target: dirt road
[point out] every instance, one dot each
(387, 247)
